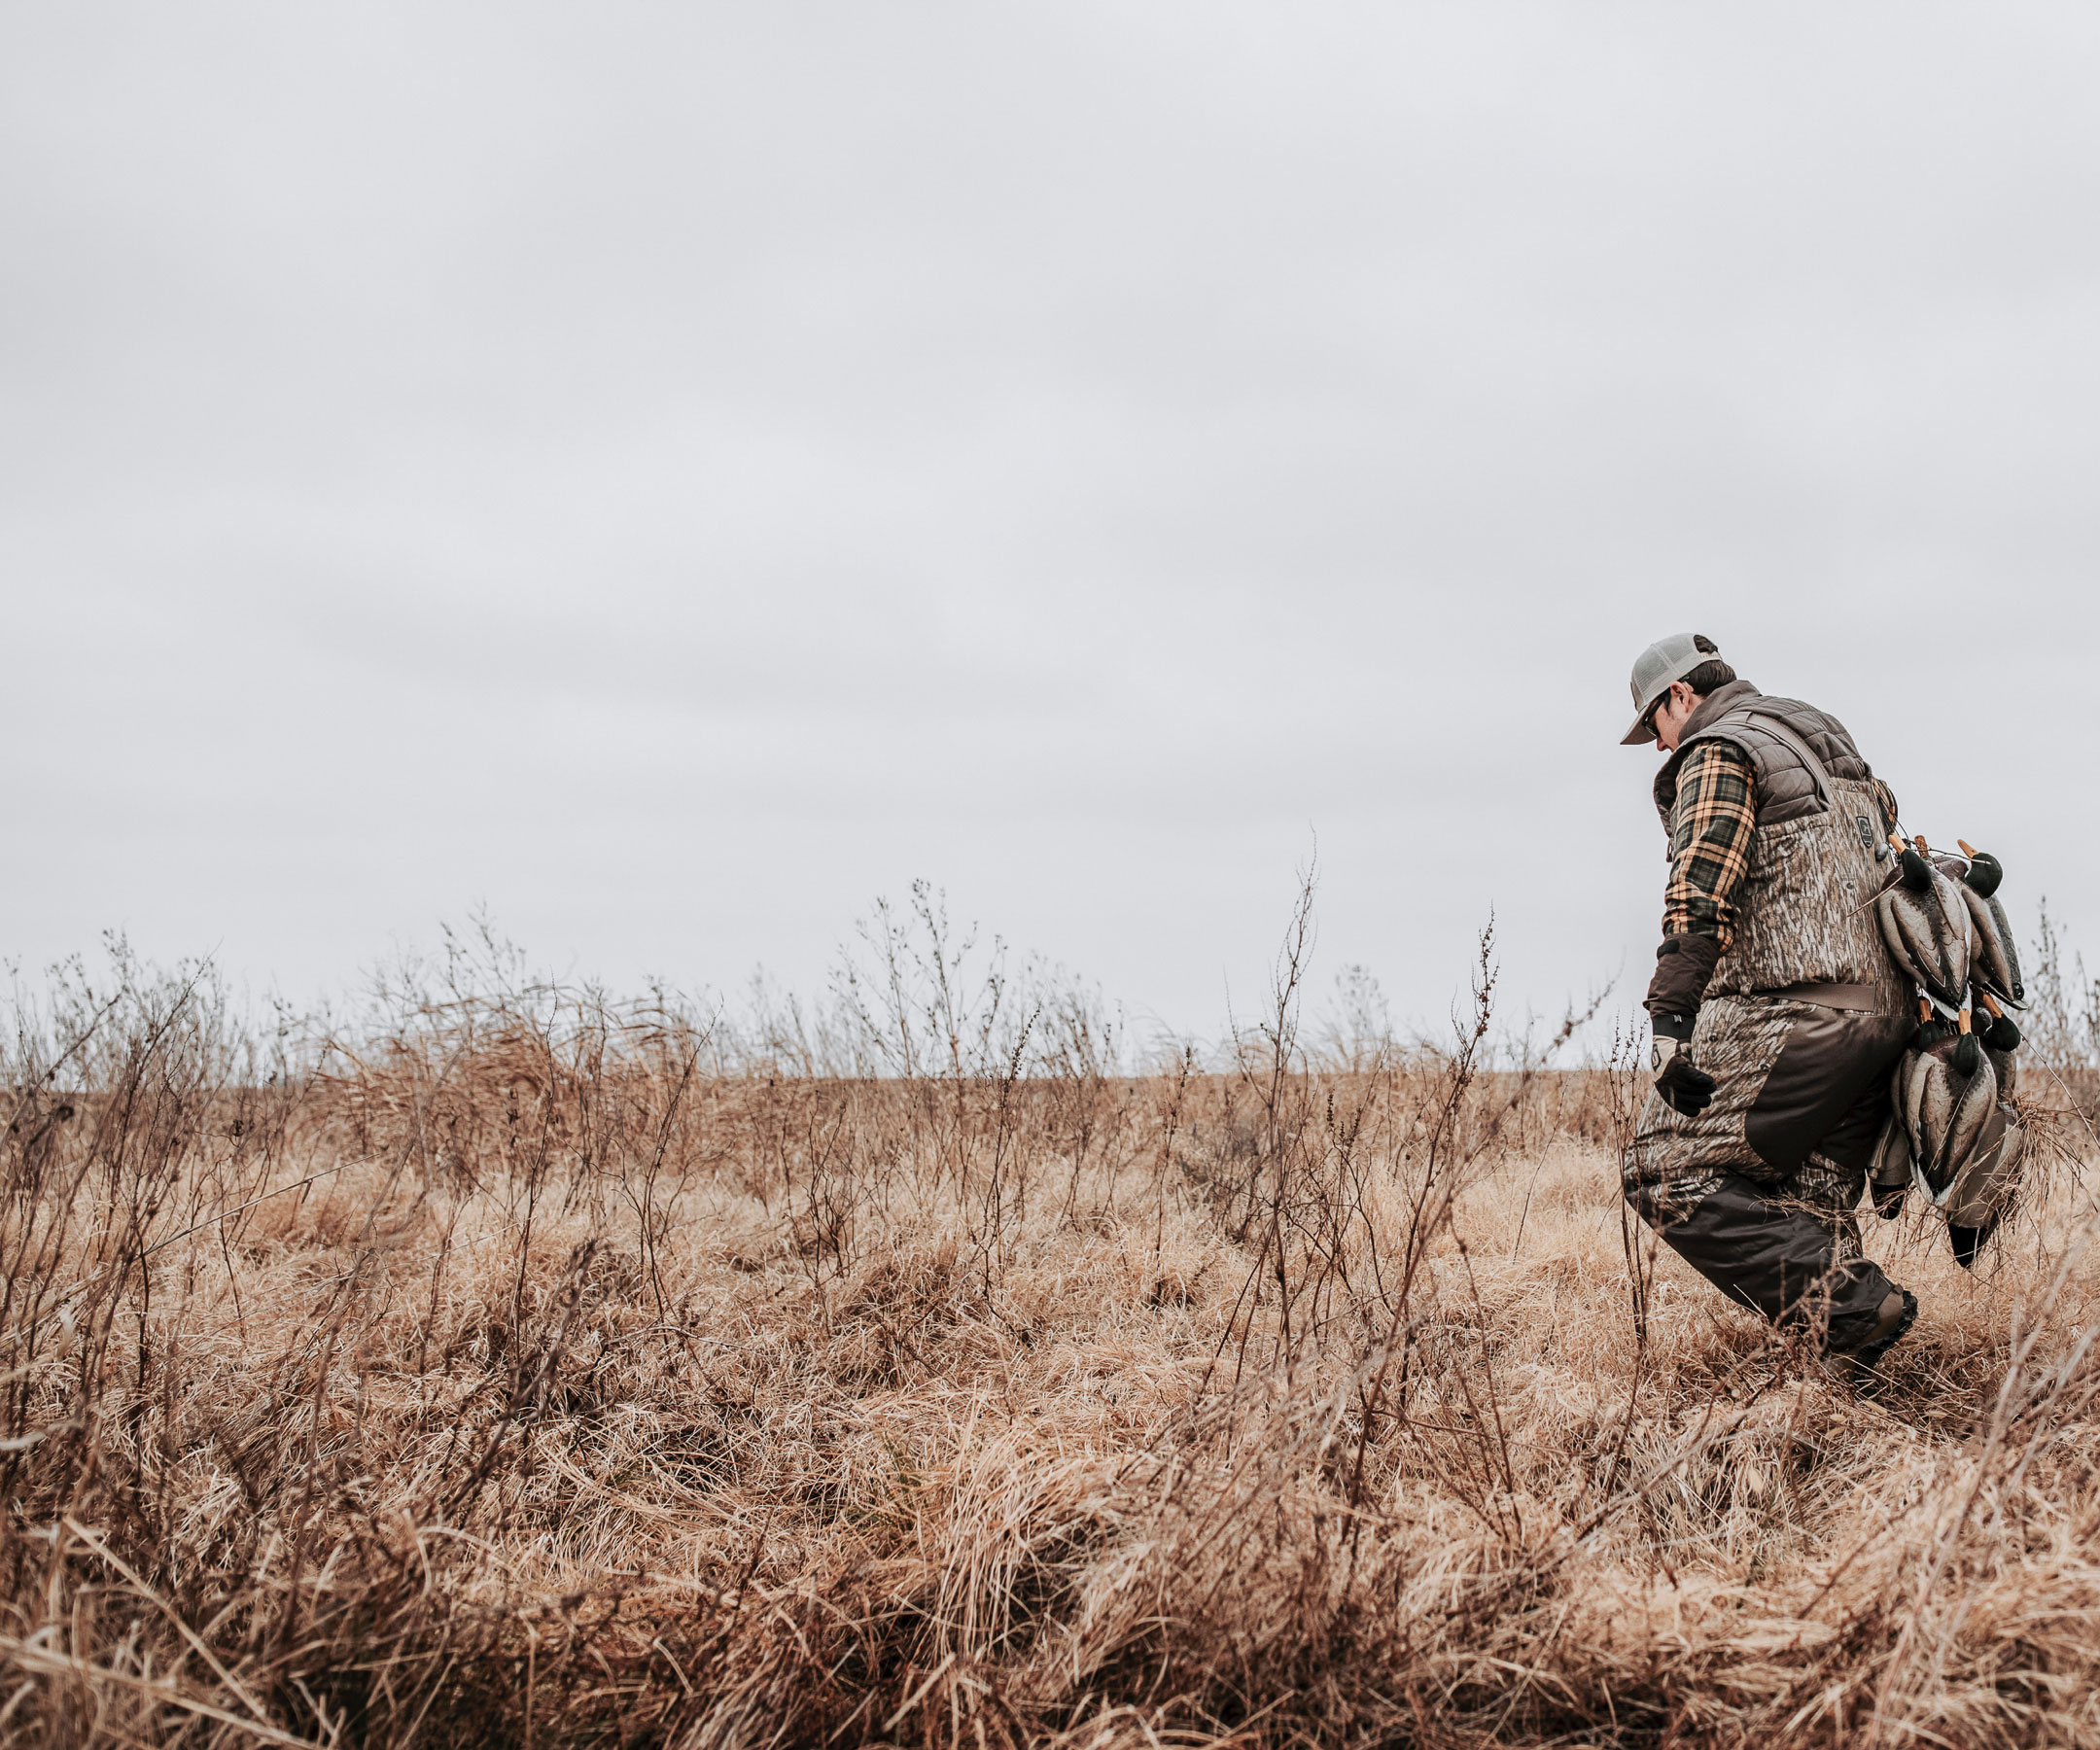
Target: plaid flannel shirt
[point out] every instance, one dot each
(1710, 842)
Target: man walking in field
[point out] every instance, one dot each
(1778, 1010)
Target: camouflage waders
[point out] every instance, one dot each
(1805, 1016)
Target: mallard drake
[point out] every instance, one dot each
(1995, 961)
(1945, 1110)
(1984, 1192)
(1928, 932)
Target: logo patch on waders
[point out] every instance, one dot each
(1866, 839)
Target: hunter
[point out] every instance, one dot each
(1777, 1011)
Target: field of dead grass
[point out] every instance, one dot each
(519, 1374)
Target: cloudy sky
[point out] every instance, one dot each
(670, 473)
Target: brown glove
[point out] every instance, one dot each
(1683, 966)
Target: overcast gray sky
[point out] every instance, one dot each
(673, 472)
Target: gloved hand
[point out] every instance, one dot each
(1680, 1082)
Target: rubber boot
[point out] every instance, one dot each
(1859, 1368)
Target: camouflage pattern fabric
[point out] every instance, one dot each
(1805, 912)
(1828, 1194)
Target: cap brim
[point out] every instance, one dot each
(1639, 733)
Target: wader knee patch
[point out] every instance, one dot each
(1830, 1059)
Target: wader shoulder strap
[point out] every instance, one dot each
(1781, 730)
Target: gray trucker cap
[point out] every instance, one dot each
(1663, 662)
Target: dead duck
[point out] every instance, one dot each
(1986, 1191)
(1927, 930)
(1974, 1103)
(1946, 1112)
(1925, 1097)
(1996, 962)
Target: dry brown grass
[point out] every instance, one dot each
(592, 1394)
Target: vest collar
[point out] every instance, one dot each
(1715, 706)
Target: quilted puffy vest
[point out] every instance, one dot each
(1785, 787)
(1805, 914)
